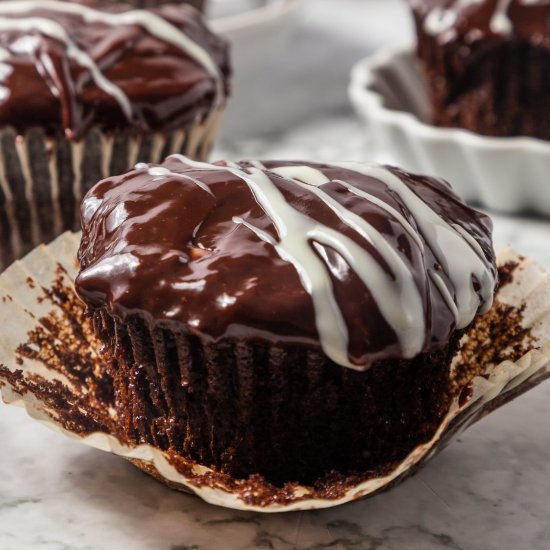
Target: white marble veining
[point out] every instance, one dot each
(488, 491)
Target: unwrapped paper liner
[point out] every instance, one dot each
(26, 301)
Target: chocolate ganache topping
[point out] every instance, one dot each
(474, 20)
(365, 261)
(74, 64)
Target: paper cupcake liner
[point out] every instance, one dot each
(50, 366)
(43, 179)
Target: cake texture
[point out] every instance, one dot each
(88, 90)
(487, 64)
(284, 319)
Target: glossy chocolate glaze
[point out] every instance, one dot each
(166, 88)
(175, 244)
(474, 21)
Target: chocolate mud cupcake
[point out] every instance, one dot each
(87, 91)
(285, 319)
(487, 64)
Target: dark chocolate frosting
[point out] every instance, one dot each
(72, 65)
(474, 21)
(365, 261)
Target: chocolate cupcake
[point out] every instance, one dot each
(88, 90)
(285, 319)
(487, 63)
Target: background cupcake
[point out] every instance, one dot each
(88, 90)
(282, 319)
(487, 63)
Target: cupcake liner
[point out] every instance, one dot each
(389, 93)
(43, 178)
(50, 365)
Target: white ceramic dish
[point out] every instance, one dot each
(505, 174)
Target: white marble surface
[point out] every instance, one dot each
(488, 491)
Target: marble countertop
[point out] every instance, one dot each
(490, 490)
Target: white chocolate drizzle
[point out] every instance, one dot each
(396, 293)
(161, 172)
(399, 299)
(152, 23)
(455, 253)
(440, 20)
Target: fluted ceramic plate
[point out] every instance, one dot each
(505, 174)
(51, 365)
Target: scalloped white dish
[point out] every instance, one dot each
(510, 175)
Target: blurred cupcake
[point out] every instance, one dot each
(88, 90)
(284, 319)
(487, 63)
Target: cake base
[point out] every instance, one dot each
(283, 412)
(501, 92)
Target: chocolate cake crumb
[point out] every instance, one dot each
(63, 343)
(487, 77)
(494, 337)
(506, 272)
